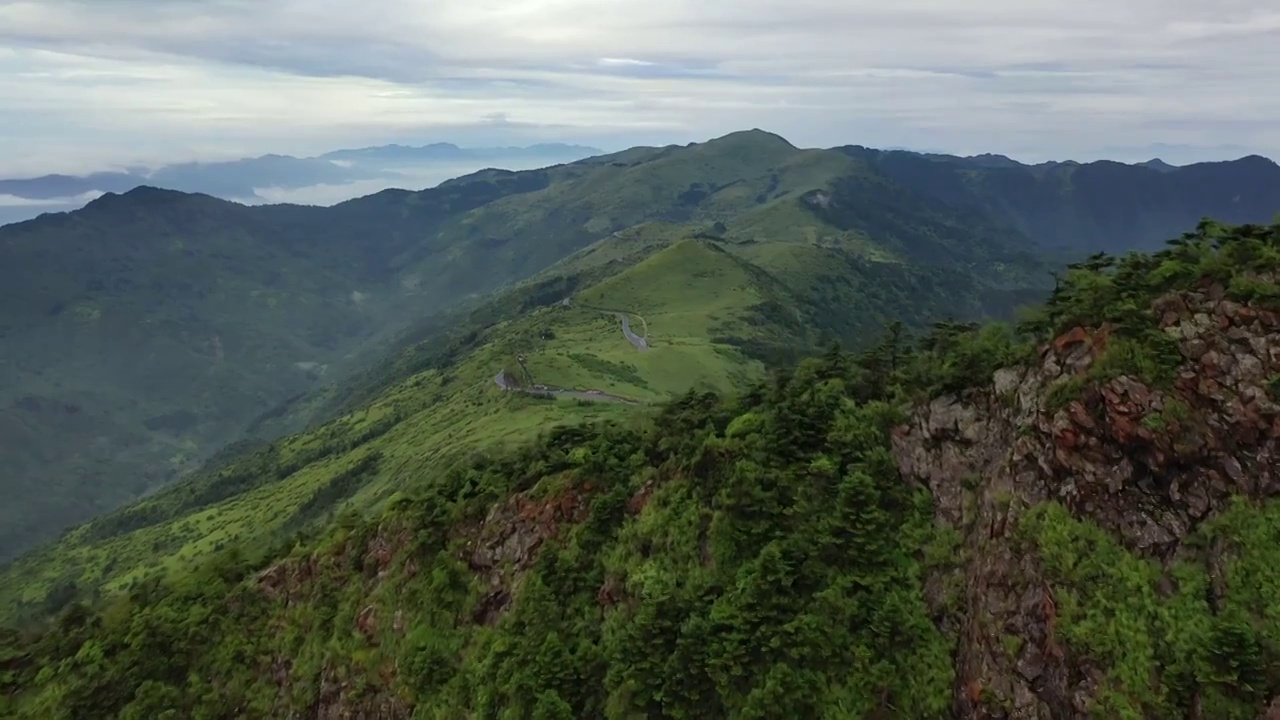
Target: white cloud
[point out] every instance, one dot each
(93, 81)
(14, 201)
(625, 62)
(411, 178)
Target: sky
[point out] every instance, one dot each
(88, 84)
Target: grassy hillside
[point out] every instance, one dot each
(420, 423)
(783, 550)
(713, 310)
(141, 334)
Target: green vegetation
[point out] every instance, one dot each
(411, 537)
(162, 326)
(1075, 209)
(1118, 294)
(730, 556)
(715, 556)
(1110, 609)
(1105, 289)
(435, 402)
(713, 319)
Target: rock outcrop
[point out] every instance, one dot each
(1146, 463)
(506, 544)
(338, 701)
(298, 581)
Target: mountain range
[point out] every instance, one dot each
(682, 431)
(259, 179)
(1071, 206)
(162, 325)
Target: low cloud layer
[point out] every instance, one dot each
(84, 83)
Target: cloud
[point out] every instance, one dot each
(13, 201)
(412, 178)
(114, 81)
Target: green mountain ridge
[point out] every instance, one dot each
(715, 311)
(162, 326)
(1072, 207)
(1073, 516)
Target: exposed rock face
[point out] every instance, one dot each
(338, 702)
(1146, 464)
(293, 581)
(499, 549)
(507, 543)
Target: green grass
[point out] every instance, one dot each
(686, 295)
(477, 415)
(688, 292)
(437, 417)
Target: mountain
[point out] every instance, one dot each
(161, 325)
(1073, 516)
(1158, 164)
(1077, 208)
(50, 187)
(264, 178)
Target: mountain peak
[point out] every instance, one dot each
(142, 196)
(993, 160)
(1257, 160)
(754, 136)
(1158, 164)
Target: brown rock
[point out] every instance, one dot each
(1074, 336)
(1149, 487)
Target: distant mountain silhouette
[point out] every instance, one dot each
(1072, 207)
(242, 179)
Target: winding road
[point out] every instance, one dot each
(549, 391)
(641, 343)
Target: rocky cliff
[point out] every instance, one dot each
(1146, 463)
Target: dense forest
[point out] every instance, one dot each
(756, 555)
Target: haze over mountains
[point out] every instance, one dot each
(345, 174)
(323, 180)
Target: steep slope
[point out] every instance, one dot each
(1099, 206)
(160, 325)
(697, 307)
(1073, 518)
(140, 331)
(1114, 500)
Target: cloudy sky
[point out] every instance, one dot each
(84, 83)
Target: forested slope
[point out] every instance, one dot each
(140, 335)
(1067, 518)
(1073, 208)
